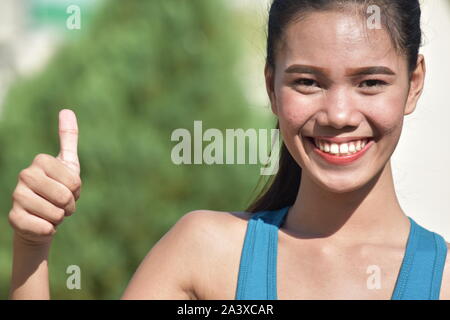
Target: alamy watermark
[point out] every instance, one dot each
(74, 280)
(374, 280)
(374, 20)
(73, 21)
(229, 148)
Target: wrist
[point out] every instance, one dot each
(28, 244)
(29, 278)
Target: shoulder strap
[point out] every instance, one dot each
(423, 265)
(257, 270)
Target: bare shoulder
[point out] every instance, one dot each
(209, 228)
(445, 287)
(219, 236)
(181, 263)
(211, 218)
(215, 231)
(211, 231)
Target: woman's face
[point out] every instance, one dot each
(335, 78)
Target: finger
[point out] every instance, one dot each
(57, 199)
(30, 224)
(68, 139)
(77, 194)
(56, 170)
(38, 206)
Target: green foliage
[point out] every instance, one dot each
(143, 69)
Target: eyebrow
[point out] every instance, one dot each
(372, 70)
(299, 68)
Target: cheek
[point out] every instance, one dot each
(293, 109)
(387, 113)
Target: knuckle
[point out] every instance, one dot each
(25, 174)
(16, 221)
(13, 218)
(30, 178)
(59, 216)
(69, 211)
(75, 183)
(19, 195)
(45, 229)
(64, 197)
(41, 158)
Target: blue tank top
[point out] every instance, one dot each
(419, 278)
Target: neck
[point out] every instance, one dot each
(371, 213)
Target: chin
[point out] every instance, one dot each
(341, 184)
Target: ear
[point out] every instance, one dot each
(269, 75)
(416, 85)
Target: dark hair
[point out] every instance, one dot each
(401, 18)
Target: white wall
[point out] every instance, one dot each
(421, 162)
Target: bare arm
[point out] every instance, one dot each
(167, 272)
(46, 192)
(29, 278)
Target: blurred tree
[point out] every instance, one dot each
(142, 70)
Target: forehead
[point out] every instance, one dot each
(337, 40)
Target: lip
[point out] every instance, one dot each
(341, 139)
(340, 160)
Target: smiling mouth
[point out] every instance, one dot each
(340, 149)
(343, 153)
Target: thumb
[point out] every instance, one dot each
(68, 139)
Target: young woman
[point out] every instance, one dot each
(330, 225)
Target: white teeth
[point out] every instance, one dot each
(341, 149)
(363, 144)
(334, 148)
(351, 148)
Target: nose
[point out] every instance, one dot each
(339, 110)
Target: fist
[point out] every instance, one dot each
(47, 190)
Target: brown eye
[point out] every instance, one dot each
(306, 82)
(373, 83)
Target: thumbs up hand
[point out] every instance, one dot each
(47, 190)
